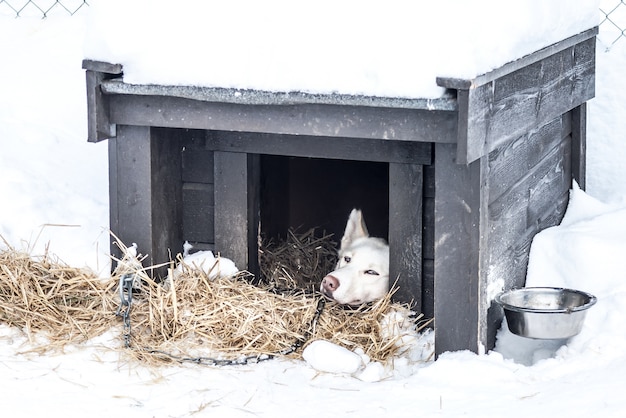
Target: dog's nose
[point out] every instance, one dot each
(330, 283)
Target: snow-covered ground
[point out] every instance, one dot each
(54, 190)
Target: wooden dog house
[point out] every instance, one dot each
(458, 185)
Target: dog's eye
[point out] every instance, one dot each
(372, 272)
(347, 259)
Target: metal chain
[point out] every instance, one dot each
(126, 298)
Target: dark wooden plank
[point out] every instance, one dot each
(197, 165)
(254, 213)
(428, 209)
(198, 212)
(463, 151)
(513, 161)
(197, 158)
(129, 185)
(166, 196)
(145, 176)
(523, 205)
(405, 232)
(315, 120)
(428, 234)
(506, 108)
(234, 224)
(102, 67)
(115, 176)
(460, 232)
(428, 288)
(549, 184)
(99, 126)
(358, 149)
(510, 266)
(579, 144)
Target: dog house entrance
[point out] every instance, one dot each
(237, 186)
(304, 193)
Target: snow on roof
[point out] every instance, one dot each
(373, 48)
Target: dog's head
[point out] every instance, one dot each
(362, 273)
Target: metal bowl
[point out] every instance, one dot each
(545, 312)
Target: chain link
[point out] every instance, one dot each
(40, 8)
(126, 299)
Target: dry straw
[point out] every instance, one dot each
(299, 261)
(44, 295)
(190, 316)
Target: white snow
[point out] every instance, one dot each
(328, 357)
(394, 48)
(54, 191)
(213, 266)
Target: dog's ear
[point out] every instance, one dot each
(355, 228)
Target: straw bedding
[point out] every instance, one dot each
(300, 261)
(42, 294)
(190, 316)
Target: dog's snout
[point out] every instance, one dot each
(330, 283)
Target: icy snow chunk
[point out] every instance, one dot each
(373, 372)
(205, 260)
(325, 356)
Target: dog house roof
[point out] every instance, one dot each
(260, 97)
(346, 51)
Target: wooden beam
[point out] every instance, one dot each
(307, 119)
(405, 232)
(359, 149)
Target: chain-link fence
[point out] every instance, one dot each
(40, 8)
(612, 12)
(613, 22)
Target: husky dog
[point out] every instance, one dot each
(362, 272)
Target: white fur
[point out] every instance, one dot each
(362, 273)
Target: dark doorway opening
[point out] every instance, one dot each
(311, 192)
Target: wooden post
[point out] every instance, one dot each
(579, 144)
(405, 231)
(460, 209)
(99, 126)
(145, 192)
(237, 207)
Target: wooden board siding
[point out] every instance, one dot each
(506, 107)
(198, 191)
(489, 212)
(542, 177)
